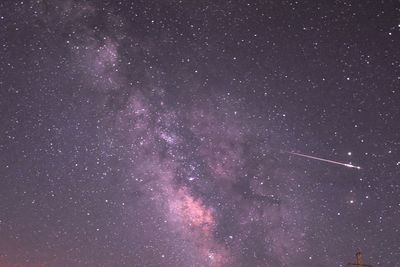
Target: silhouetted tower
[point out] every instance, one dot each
(359, 261)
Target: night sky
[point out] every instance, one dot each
(159, 133)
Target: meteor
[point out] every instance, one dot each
(326, 160)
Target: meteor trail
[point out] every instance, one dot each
(326, 160)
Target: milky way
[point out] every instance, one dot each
(150, 133)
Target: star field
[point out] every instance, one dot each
(156, 133)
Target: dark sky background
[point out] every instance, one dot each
(156, 133)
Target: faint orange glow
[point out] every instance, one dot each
(193, 215)
(193, 212)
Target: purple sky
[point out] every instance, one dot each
(155, 133)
